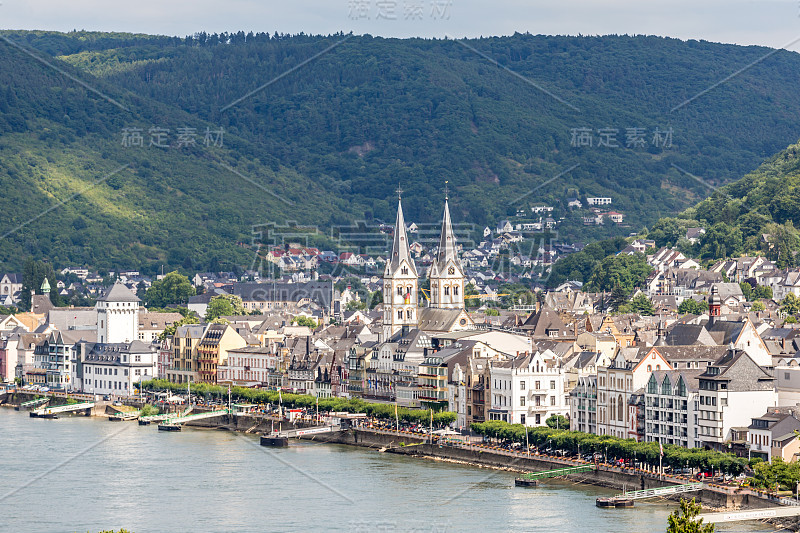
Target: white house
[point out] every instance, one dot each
(528, 389)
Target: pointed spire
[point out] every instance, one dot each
(400, 249)
(447, 242)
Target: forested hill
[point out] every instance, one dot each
(759, 213)
(322, 130)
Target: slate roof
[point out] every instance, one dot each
(319, 292)
(119, 293)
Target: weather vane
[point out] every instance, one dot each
(446, 190)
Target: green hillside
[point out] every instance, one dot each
(759, 213)
(334, 137)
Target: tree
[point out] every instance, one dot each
(762, 292)
(33, 275)
(693, 306)
(224, 305)
(174, 288)
(684, 519)
(471, 290)
(302, 320)
(758, 307)
(627, 271)
(641, 304)
(747, 290)
(557, 421)
(169, 331)
(790, 304)
(619, 297)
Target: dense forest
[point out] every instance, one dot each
(322, 129)
(759, 213)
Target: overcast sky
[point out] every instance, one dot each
(774, 23)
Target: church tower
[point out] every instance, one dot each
(399, 282)
(446, 275)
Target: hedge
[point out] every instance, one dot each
(648, 452)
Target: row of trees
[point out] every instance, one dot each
(349, 405)
(646, 452)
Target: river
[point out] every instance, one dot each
(88, 474)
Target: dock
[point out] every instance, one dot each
(174, 422)
(52, 412)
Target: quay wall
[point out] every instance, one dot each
(605, 476)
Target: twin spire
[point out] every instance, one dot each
(400, 249)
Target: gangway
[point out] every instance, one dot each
(33, 403)
(532, 479)
(50, 411)
(144, 420)
(738, 516)
(660, 491)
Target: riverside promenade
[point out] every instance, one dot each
(720, 496)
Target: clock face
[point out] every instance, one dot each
(451, 271)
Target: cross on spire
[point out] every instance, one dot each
(399, 192)
(446, 190)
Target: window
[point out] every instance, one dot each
(552, 400)
(400, 314)
(552, 384)
(522, 401)
(786, 376)
(447, 291)
(399, 290)
(538, 385)
(455, 291)
(138, 358)
(522, 385)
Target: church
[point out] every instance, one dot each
(445, 311)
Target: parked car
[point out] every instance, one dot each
(703, 475)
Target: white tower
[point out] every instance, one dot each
(117, 315)
(399, 282)
(446, 275)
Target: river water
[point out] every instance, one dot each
(88, 474)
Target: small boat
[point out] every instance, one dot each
(144, 422)
(274, 440)
(524, 482)
(169, 427)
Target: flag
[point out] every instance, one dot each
(661, 449)
(395, 409)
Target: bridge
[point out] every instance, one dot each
(758, 514)
(660, 491)
(559, 472)
(33, 403)
(49, 411)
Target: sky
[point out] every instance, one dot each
(773, 23)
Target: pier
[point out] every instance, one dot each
(49, 412)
